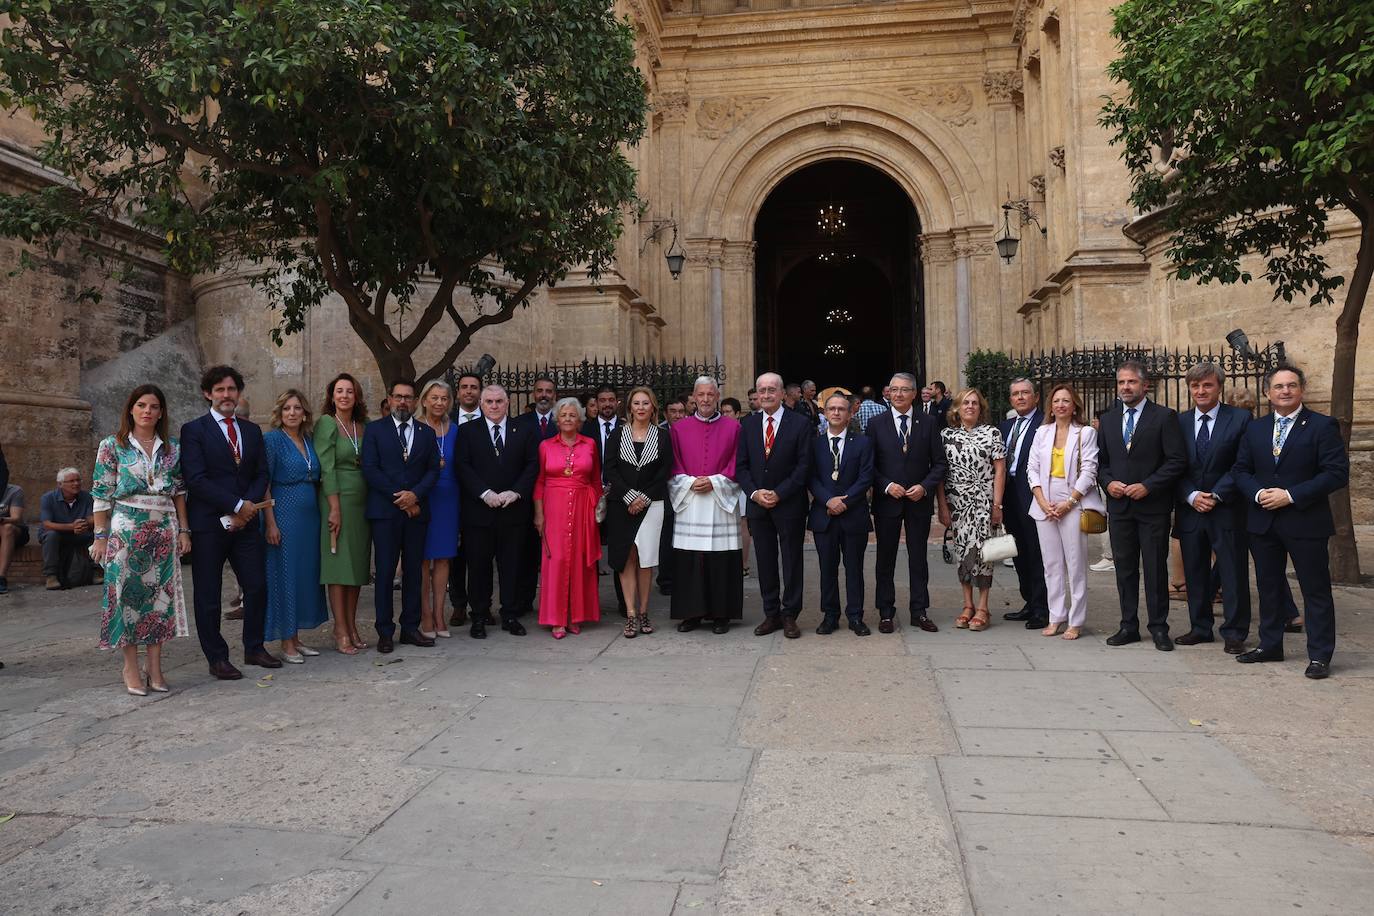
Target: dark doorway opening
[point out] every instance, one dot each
(838, 279)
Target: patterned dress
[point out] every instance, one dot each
(970, 454)
(295, 597)
(143, 603)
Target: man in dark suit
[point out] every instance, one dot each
(468, 409)
(1210, 517)
(400, 463)
(772, 466)
(841, 474)
(1018, 433)
(908, 464)
(224, 464)
(1288, 465)
(1140, 459)
(938, 405)
(599, 429)
(497, 465)
(541, 424)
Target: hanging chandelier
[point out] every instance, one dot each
(839, 316)
(833, 350)
(831, 222)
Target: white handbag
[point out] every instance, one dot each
(997, 548)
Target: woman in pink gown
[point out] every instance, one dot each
(565, 496)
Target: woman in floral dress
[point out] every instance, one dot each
(971, 497)
(140, 535)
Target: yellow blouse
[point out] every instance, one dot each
(1057, 463)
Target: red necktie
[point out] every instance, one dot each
(768, 439)
(233, 436)
(543, 425)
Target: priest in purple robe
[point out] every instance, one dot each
(709, 580)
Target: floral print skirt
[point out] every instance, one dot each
(143, 603)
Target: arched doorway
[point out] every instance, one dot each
(837, 278)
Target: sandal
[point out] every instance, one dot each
(1072, 633)
(631, 628)
(961, 622)
(345, 647)
(559, 632)
(980, 620)
(645, 626)
(1053, 629)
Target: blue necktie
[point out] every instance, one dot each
(1204, 437)
(1130, 426)
(1281, 436)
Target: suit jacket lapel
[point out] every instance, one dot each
(1295, 432)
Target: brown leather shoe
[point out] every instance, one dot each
(225, 671)
(790, 628)
(925, 623)
(459, 618)
(886, 625)
(769, 625)
(52, 584)
(234, 614)
(263, 659)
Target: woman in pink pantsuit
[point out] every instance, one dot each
(1062, 473)
(565, 496)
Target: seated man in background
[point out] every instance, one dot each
(66, 532)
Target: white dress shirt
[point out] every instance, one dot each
(1139, 409)
(409, 433)
(465, 415)
(776, 417)
(602, 433)
(897, 421)
(1014, 439)
(831, 436)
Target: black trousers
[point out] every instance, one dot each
(889, 530)
(1030, 565)
(65, 556)
(667, 562)
(779, 538)
(402, 538)
(1310, 561)
(246, 552)
(1141, 543)
(503, 545)
(1232, 568)
(458, 580)
(832, 545)
(530, 562)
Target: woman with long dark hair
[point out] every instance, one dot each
(345, 537)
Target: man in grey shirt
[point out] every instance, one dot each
(66, 532)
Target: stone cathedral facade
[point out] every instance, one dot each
(834, 173)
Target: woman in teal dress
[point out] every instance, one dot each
(140, 536)
(295, 597)
(345, 538)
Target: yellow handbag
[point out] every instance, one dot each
(1090, 521)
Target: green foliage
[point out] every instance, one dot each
(358, 146)
(991, 372)
(1266, 110)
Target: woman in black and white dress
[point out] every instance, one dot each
(971, 497)
(639, 456)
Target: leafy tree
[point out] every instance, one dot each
(384, 150)
(991, 372)
(1264, 110)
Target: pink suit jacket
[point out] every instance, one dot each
(1081, 467)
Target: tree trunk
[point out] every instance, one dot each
(1345, 559)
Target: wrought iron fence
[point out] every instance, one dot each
(667, 379)
(1092, 372)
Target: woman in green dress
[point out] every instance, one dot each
(140, 536)
(344, 535)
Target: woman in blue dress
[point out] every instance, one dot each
(295, 597)
(441, 538)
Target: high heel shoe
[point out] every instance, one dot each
(574, 629)
(164, 687)
(141, 690)
(305, 650)
(559, 632)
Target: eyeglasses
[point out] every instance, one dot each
(403, 397)
(898, 390)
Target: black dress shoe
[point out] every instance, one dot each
(385, 645)
(1260, 655)
(769, 625)
(262, 659)
(827, 627)
(1292, 628)
(719, 626)
(859, 628)
(1193, 639)
(1317, 670)
(225, 671)
(1123, 638)
(1234, 646)
(1037, 623)
(459, 618)
(1023, 614)
(790, 628)
(886, 625)
(688, 625)
(513, 627)
(415, 639)
(925, 623)
(1162, 642)
(479, 627)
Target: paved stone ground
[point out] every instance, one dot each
(994, 772)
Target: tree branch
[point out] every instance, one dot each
(466, 331)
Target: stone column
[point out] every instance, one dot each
(941, 310)
(739, 314)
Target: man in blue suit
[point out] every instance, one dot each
(400, 464)
(225, 467)
(1210, 517)
(1288, 464)
(841, 473)
(772, 466)
(908, 464)
(1018, 433)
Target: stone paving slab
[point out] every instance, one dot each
(1034, 742)
(598, 829)
(401, 889)
(1334, 784)
(622, 740)
(1087, 865)
(878, 704)
(1279, 706)
(1055, 787)
(13, 722)
(842, 833)
(1080, 655)
(1049, 699)
(989, 658)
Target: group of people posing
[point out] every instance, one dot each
(308, 512)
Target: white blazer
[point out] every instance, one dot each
(1080, 464)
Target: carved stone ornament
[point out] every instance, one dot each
(1018, 22)
(832, 117)
(1057, 158)
(1002, 85)
(1037, 184)
(670, 105)
(718, 115)
(951, 102)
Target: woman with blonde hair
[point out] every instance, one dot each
(295, 597)
(1062, 474)
(970, 498)
(441, 537)
(639, 455)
